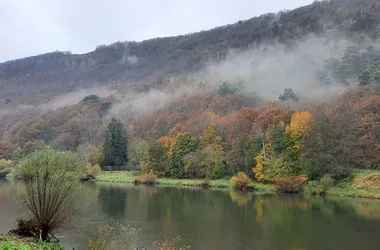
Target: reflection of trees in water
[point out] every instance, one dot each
(112, 200)
(239, 197)
(211, 219)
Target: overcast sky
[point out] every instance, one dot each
(30, 27)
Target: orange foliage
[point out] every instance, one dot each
(249, 114)
(178, 128)
(167, 141)
(268, 117)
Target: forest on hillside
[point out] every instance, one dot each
(37, 79)
(285, 104)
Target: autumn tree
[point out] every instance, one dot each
(157, 158)
(115, 145)
(6, 150)
(184, 144)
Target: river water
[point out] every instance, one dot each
(213, 219)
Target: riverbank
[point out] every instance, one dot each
(14, 242)
(129, 176)
(362, 183)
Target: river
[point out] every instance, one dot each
(214, 219)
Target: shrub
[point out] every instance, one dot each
(205, 183)
(240, 181)
(147, 179)
(50, 179)
(93, 170)
(6, 167)
(290, 184)
(320, 187)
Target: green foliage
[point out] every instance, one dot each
(277, 139)
(288, 95)
(115, 145)
(193, 165)
(213, 161)
(51, 180)
(104, 108)
(364, 78)
(210, 138)
(90, 98)
(29, 148)
(185, 143)
(321, 186)
(157, 158)
(10, 242)
(142, 153)
(182, 108)
(227, 89)
(376, 76)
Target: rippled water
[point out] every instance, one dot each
(217, 219)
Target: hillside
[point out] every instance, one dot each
(36, 79)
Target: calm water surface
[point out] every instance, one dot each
(208, 219)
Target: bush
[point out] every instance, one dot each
(205, 183)
(93, 170)
(320, 187)
(6, 167)
(290, 184)
(147, 179)
(240, 181)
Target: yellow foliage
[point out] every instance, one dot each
(259, 169)
(6, 164)
(210, 138)
(258, 205)
(240, 180)
(240, 198)
(93, 170)
(300, 123)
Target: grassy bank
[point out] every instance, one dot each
(13, 242)
(129, 176)
(362, 184)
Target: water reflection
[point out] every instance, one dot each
(217, 219)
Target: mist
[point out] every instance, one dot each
(264, 71)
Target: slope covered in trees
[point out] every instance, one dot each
(30, 79)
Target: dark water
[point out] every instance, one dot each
(219, 219)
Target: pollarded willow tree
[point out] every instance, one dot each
(52, 187)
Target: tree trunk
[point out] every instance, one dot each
(44, 234)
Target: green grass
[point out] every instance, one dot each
(10, 242)
(350, 187)
(347, 188)
(128, 177)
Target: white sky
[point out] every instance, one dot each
(31, 27)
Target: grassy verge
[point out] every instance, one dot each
(362, 184)
(128, 177)
(357, 186)
(10, 242)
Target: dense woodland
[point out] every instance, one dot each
(212, 131)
